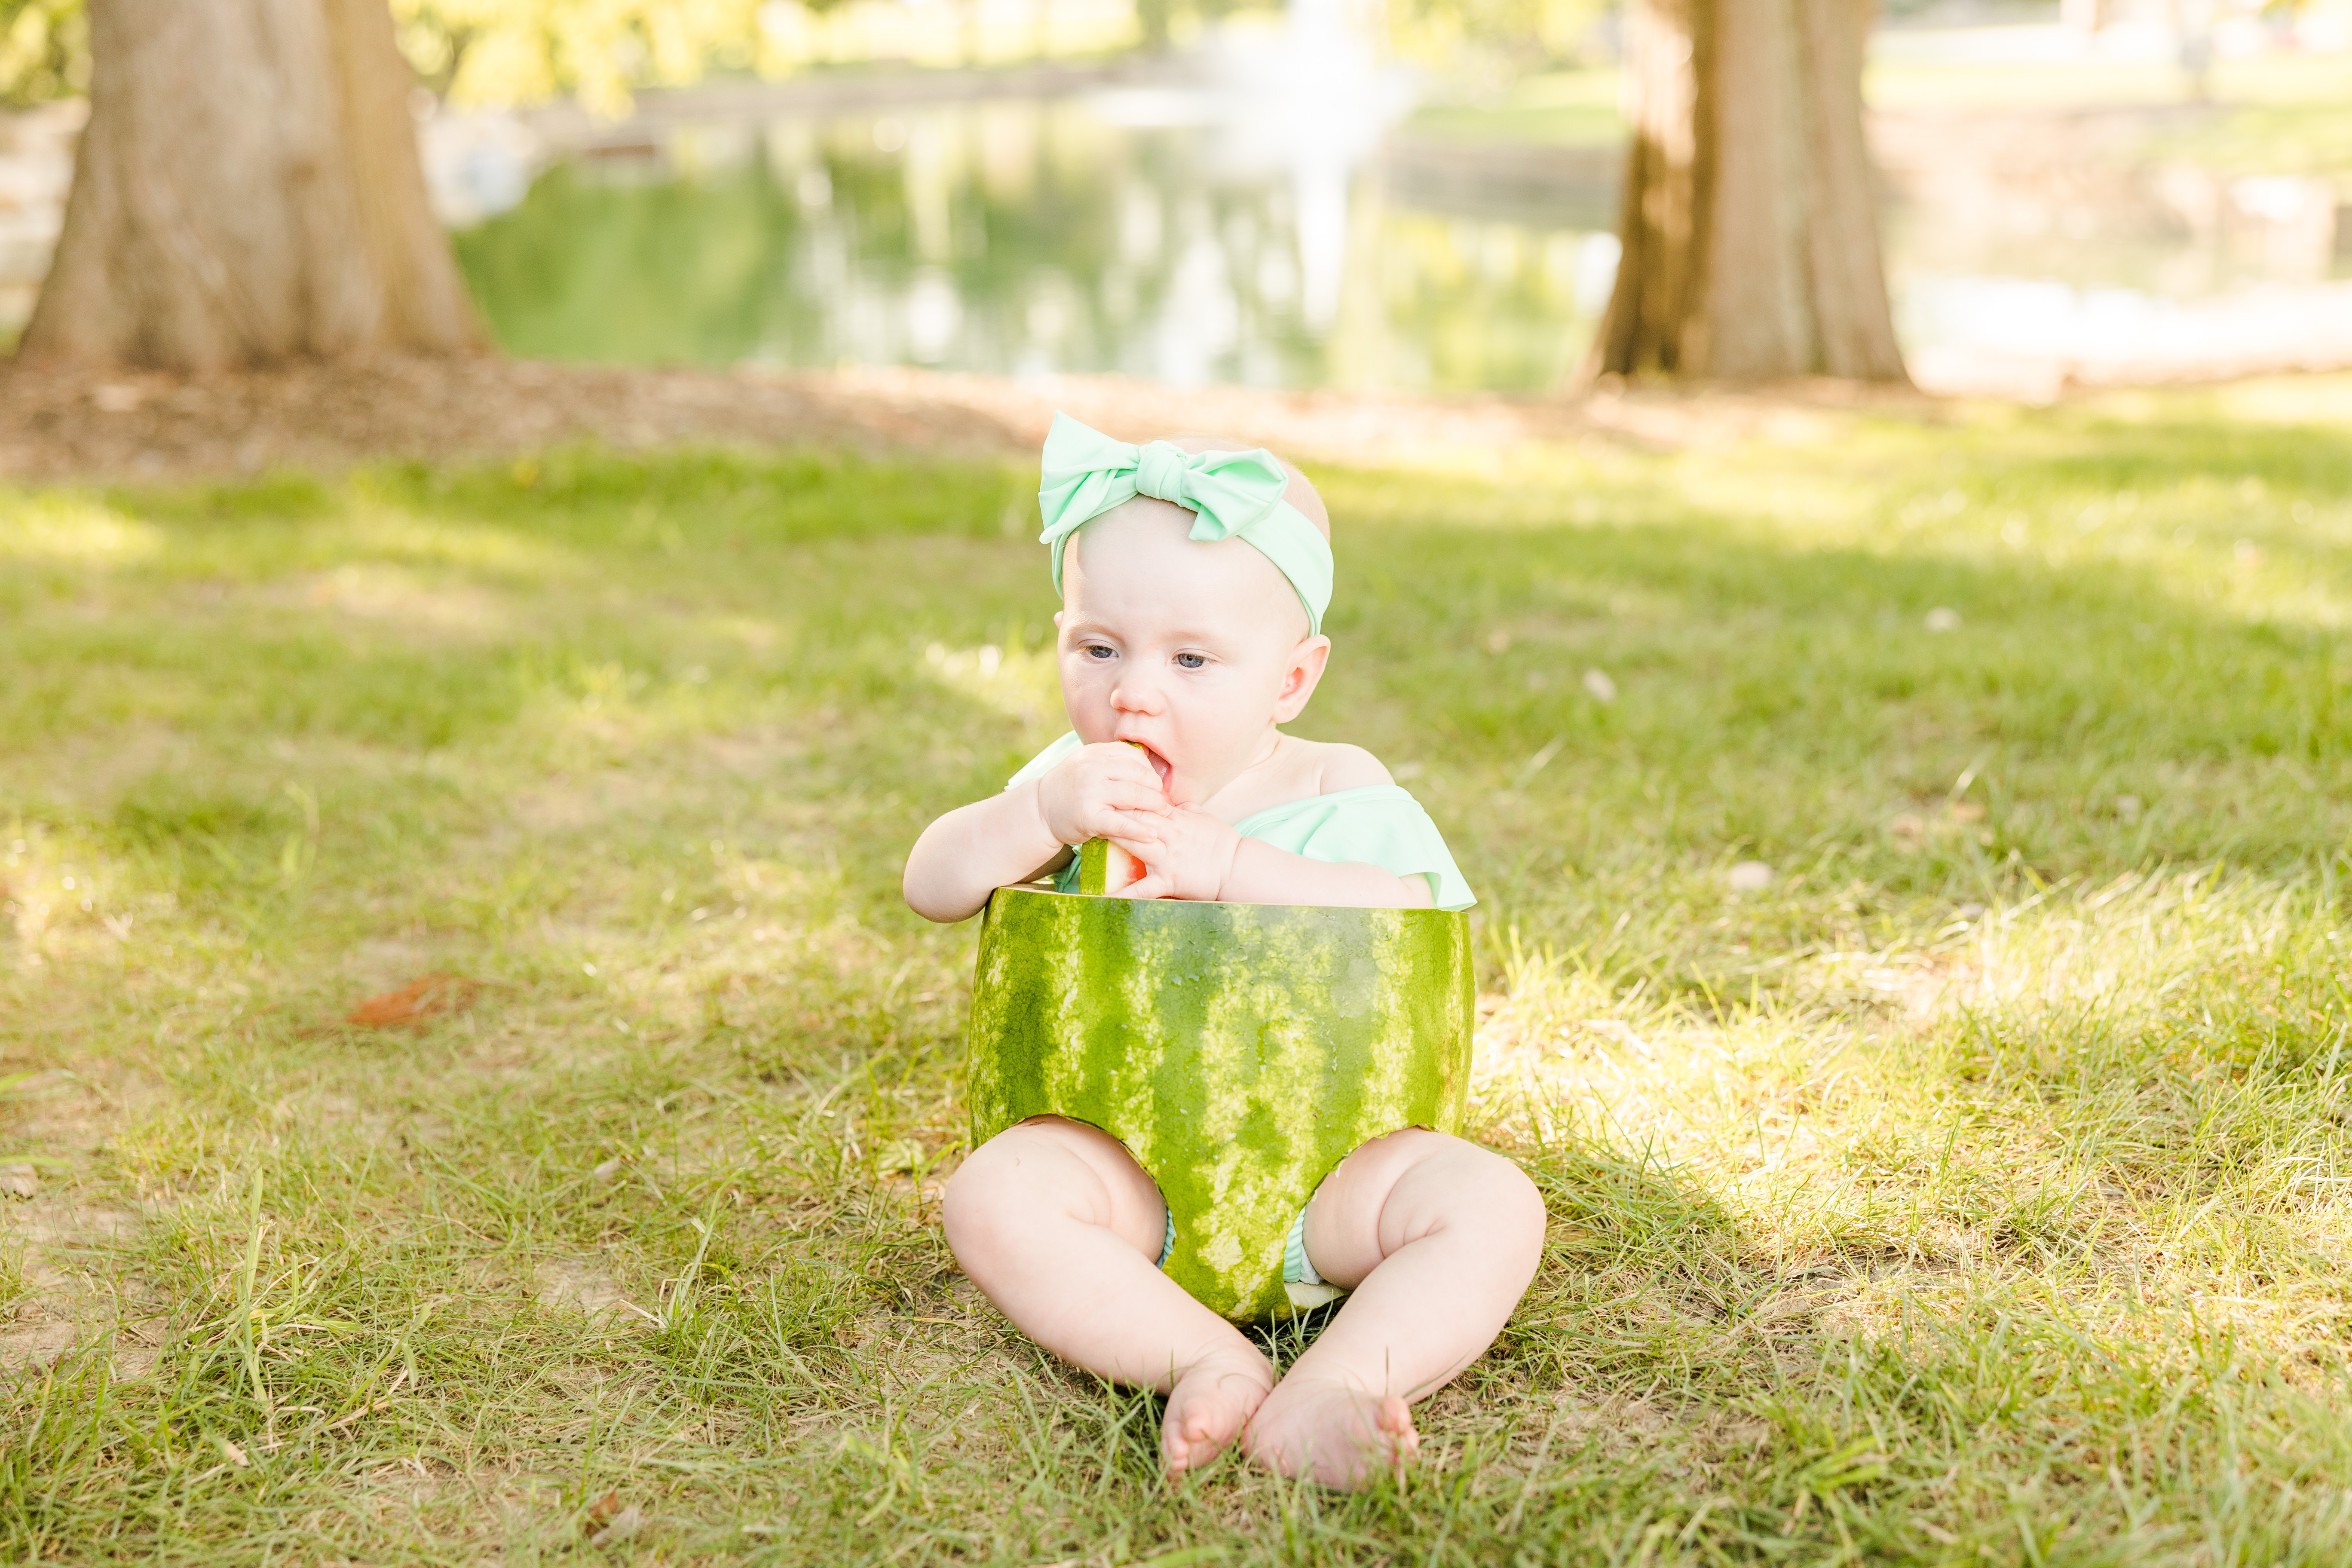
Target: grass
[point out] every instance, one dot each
(1973, 1192)
(1567, 108)
(2285, 115)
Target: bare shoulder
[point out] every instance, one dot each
(1341, 766)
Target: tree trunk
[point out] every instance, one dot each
(248, 190)
(1750, 237)
(2085, 15)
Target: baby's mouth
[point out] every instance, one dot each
(1160, 764)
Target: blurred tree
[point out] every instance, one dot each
(246, 190)
(1749, 232)
(516, 51)
(44, 50)
(474, 51)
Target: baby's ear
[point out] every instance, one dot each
(1307, 662)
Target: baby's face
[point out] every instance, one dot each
(1194, 650)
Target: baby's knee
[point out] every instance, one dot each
(985, 1190)
(1510, 1196)
(1490, 1192)
(1042, 1168)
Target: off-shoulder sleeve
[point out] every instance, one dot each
(1381, 825)
(1042, 763)
(1065, 881)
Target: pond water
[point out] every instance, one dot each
(1279, 230)
(1174, 232)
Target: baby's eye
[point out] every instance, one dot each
(1190, 661)
(1099, 650)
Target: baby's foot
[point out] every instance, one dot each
(1338, 1435)
(1209, 1405)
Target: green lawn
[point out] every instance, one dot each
(2280, 115)
(1980, 1190)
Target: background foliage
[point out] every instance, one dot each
(523, 51)
(44, 50)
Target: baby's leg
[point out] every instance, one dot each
(1439, 1238)
(1058, 1225)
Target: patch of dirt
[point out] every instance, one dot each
(60, 423)
(90, 768)
(70, 422)
(72, 1298)
(581, 1285)
(62, 1114)
(381, 961)
(393, 603)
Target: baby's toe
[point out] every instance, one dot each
(1205, 1412)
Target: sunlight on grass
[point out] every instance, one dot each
(396, 534)
(66, 529)
(1911, 857)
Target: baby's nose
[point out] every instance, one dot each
(1135, 697)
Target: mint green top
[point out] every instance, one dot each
(1379, 825)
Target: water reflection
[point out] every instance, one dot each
(1187, 235)
(1254, 214)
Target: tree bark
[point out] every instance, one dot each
(248, 190)
(1750, 235)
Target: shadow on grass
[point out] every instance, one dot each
(689, 687)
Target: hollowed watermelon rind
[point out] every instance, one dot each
(1240, 1051)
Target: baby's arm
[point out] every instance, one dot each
(1191, 854)
(1261, 874)
(1188, 854)
(1095, 791)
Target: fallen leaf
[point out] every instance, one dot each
(600, 1512)
(626, 1524)
(235, 1455)
(413, 1003)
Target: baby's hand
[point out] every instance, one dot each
(1186, 853)
(1094, 792)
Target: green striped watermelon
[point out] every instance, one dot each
(1240, 1051)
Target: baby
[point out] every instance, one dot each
(1195, 577)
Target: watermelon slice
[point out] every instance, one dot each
(1240, 1051)
(1105, 868)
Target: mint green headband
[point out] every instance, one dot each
(1238, 494)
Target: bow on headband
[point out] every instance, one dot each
(1236, 495)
